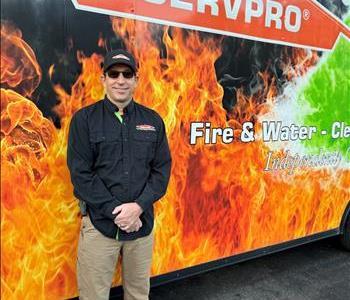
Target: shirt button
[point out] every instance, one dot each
(126, 172)
(125, 140)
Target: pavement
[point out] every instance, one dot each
(317, 271)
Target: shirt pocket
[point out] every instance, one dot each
(106, 146)
(145, 144)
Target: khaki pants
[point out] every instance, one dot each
(97, 258)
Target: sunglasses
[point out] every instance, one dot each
(115, 74)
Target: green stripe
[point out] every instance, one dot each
(119, 117)
(327, 94)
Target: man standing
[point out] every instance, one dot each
(119, 161)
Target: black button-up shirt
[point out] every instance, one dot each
(114, 161)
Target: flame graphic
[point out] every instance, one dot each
(219, 201)
(25, 75)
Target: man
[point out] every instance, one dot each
(120, 162)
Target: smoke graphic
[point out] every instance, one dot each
(242, 62)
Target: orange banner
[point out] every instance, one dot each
(302, 23)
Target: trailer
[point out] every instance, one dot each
(255, 95)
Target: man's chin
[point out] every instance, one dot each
(120, 99)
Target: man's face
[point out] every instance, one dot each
(118, 84)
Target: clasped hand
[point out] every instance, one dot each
(128, 217)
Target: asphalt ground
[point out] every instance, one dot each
(316, 271)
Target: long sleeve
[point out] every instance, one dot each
(159, 176)
(88, 186)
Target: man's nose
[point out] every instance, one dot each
(120, 78)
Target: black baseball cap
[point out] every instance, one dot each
(119, 56)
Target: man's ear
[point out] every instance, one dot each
(103, 78)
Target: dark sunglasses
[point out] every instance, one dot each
(115, 74)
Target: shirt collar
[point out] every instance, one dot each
(113, 108)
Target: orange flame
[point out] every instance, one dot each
(24, 75)
(38, 215)
(219, 201)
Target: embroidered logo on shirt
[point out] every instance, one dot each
(145, 127)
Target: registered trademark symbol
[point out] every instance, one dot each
(306, 14)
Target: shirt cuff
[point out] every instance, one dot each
(109, 207)
(146, 199)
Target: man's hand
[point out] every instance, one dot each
(127, 215)
(134, 227)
